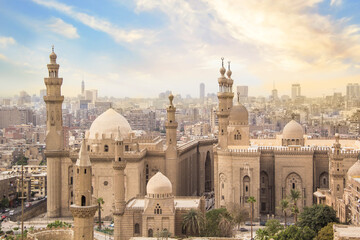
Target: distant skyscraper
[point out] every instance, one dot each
(202, 92)
(82, 87)
(274, 94)
(295, 91)
(352, 90)
(243, 91)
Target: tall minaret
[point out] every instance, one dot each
(223, 110)
(337, 172)
(230, 94)
(171, 157)
(119, 165)
(83, 210)
(54, 137)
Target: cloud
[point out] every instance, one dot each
(67, 30)
(335, 2)
(118, 34)
(3, 57)
(6, 41)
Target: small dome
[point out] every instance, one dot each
(159, 184)
(239, 115)
(354, 171)
(293, 130)
(110, 123)
(52, 55)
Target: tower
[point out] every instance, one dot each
(119, 165)
(54, 151)
(83, 210)
(82, 87)
(171, 160)
(230, 94)
(336, 170)
(202, 92)
(223, 110)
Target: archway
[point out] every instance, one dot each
(150, 233)
(208, 183)
(324, 182)
(264, 193)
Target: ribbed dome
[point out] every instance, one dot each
(293, 130)
(109, 123)
(159, 184)
(354, 171)
(239, 115)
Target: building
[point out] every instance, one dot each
(352, 90)
(188, 166)
(295, 91)
(202, 92)
(268, 168)
(243, 91)
(8, 188)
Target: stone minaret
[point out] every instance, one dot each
(171, 157)
(54, 151)
(224, 108)
(337, 172)
(119, 165)
(230, 94)
(83, 210)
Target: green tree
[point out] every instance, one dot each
(326, 233)
(262, 234)
(58, 223)
(295, 233)
(22, 160)
(100, 202)
(284, 206)
(317, 217)
(272, 227)
(193, 222)
(4, 203)
(294, 196)
(238, 213)
(251, 200)
(212, 221)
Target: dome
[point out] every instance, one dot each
(159, 184)
(109, 123)
(239, 115)
(354, 171)
(293, 130)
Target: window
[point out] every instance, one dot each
(119, 159)
(106, 183)
(237, 135)
(338, 188)
(88, 147)
(77, 170)
(263, 206)
(71, 180)
(84, 171)
(157, 209)
(83, 200)
(137, 228)
(106, 148)
(150, 233)
(293, 186)
(126, 147)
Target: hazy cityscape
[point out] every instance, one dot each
(258, 143)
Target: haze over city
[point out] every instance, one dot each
(140, 48)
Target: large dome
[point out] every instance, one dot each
(293, 130)
(239, 115)
(159, 184)
(109, 123)
(354, 170)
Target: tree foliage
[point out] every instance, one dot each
(294, 196)
(238, 213)
(213, 218)
(58, 223)
(193, 222)
(326, 233)
(4, 203)
(273, 226)
(317, 217)
(295, 233)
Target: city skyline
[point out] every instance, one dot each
(137, 49)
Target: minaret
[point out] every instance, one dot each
(119, 165)
(171, 157)
(337, 173)
(230, 94)
(54, 137)
(223, 110)
(83, 210)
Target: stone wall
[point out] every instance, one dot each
(31, 211)
(51, 234)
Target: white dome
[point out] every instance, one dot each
(293, 130)
(159, 184)
(109, 123)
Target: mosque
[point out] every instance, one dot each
(149, 183)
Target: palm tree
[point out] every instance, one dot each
(226, 225)
(251, 200)
(193, 221)
(284, 206)
(294, 196)
(100, 202)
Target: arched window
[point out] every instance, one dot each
(237, 135)
(323, 179)
(150, 233)
(338, 188)
(83, 200)
(157, 209)
(106, 148)
(137, 228)
(146, 174)
(246, 186)
(119, 159)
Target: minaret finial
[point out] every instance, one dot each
(222, 61)
(229, 65)
(238, 97)
(171, 98)
(52, 48)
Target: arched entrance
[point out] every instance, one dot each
(150, 233)
(324, 182)
(208, 183)
(264, 193)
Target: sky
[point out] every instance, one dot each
(140, 48)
